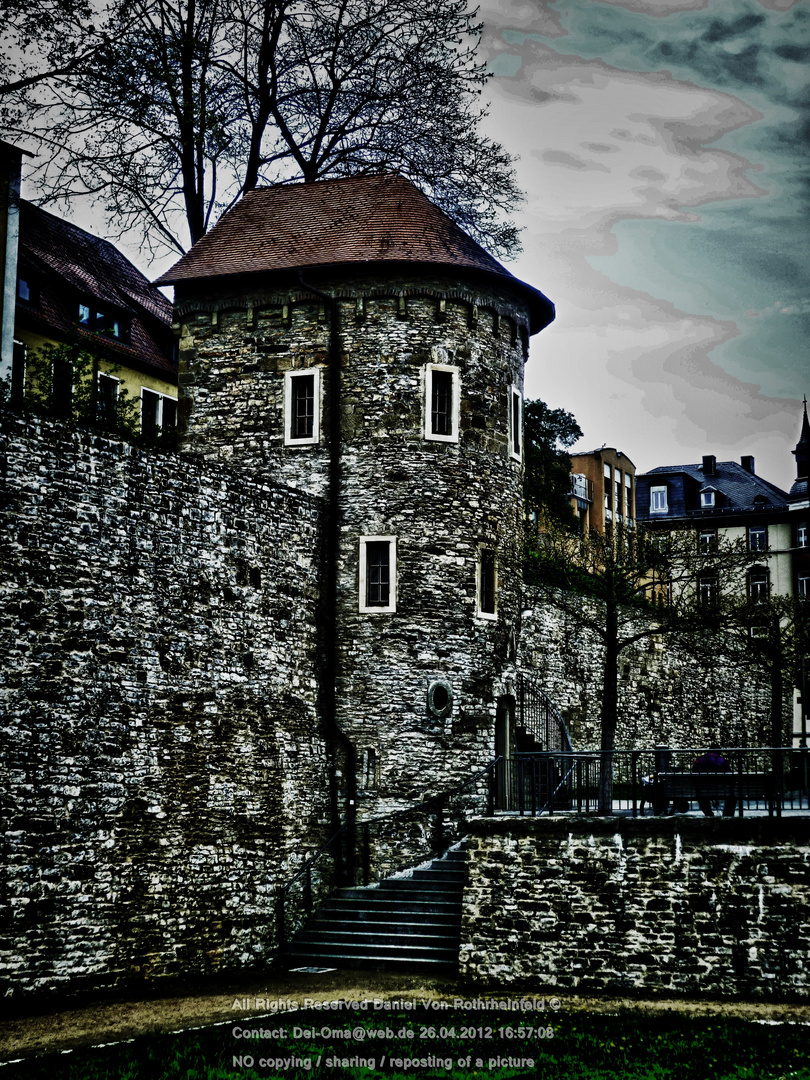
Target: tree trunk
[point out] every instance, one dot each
(610, 710)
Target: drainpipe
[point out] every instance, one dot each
(329, 627)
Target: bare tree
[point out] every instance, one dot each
(195, 101)
(628, 585)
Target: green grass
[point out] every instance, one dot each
(581, 1046)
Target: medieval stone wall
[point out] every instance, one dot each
(663, 907)
(668, 695)
(163, 768)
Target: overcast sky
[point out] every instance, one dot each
(663, 149)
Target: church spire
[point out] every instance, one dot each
(802, 451)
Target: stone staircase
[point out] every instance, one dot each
(403, 924)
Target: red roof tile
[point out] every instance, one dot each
(357, 221)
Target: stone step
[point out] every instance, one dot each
(404, 923)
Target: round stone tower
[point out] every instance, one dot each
(347, 338)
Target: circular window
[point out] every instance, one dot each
(440, 698)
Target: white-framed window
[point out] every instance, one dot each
(628, 496)
(757, 538)
(759, 584)
(441, 402)
(801, 534)
(658, 500)
(378, 574)
(803, 585)
(515, 423)
(302, 407)
(486, 584)
(608, 485)
(707, 499)
(158, 413)
(107, 399)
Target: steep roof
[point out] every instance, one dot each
(70, 263)
(738, 485)
(355, 221)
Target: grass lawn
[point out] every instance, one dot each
(444, 1043)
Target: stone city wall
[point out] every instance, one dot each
(649, 906)
(667, 696)
(163, 767)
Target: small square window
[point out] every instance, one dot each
(377, 590)
(706, 499)
(487, 584)
(302, 407)
(658, 500)
(441, 403)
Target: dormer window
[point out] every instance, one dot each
(707, 499)
(658, 500)
(103, 322)
(26, 290)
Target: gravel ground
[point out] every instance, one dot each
(106, 1020)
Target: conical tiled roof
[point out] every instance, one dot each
(356, 221)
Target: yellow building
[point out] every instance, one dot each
(73, 288)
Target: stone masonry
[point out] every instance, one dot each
(656, 906)
(163, 768)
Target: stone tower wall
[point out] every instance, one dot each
(442, 501)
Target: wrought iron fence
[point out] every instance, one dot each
(662, 780)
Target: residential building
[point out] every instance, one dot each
(65, 286)
(603, 489)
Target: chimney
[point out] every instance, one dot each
(709, 462)
(747, 463)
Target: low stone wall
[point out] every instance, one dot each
(656, 906)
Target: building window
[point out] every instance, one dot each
(487, 583)
(707, 539)
(708, 589)
(368, 779)
(302, 407)
(441, 403)
(801, 534)
(617, 488)
(378, 573)
(103, 322)
(158, 413)
(758, 585)
(628, 496)
(515, 423)
(658, 500)
(706, 500)
(26, 290)
(107, 400)
(608, 485)
(803, 585)
(757, 538)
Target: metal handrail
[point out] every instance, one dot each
(424, 804)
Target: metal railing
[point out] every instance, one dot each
(365, 850)
(659, 780)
